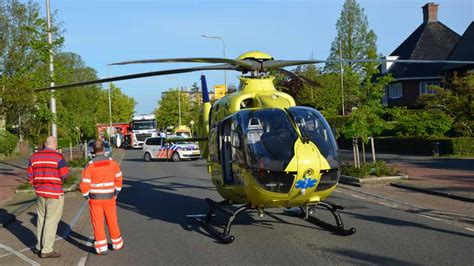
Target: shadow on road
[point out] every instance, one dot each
(161, 203)
(65, 231)
(13, 165)
(365, 258)
(403, 223)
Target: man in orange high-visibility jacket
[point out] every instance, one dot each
(101, 184)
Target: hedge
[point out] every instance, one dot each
(7, 142)
(463, 146)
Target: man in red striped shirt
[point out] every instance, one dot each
(46, 172)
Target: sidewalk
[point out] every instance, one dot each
(18, 237)
(12, 174)
(449, 177)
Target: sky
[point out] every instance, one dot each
(107, 31)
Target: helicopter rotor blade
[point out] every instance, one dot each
(294, 75)
(273, 64)
(141, 75)
(246, 64)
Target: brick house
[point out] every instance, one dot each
(432, 40)
(464, 50)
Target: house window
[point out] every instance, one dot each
(395, 90)
(424, 87)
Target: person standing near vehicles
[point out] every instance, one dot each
(101, 184)
(47, 170)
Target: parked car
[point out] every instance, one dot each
(90, 150)
(158, 148)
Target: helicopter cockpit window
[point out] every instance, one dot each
(267, 135)
(314, 127)
(254, 130)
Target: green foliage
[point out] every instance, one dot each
(338, 124)
(72, 179)
(77, 107)
(356, 39)
(122, 106)
(425, 124)
(380, 168)
(463, 146)
(24, 65)
(366, 120)
(24, 51)
(456, 101)
(79, 162)
(8, 142)
(167, 112)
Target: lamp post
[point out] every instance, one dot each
(110, 105)
(54, 130)
(223, 49)
(342, 76)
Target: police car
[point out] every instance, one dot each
(158, 148)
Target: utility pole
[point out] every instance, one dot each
(179, 105)
(342, 75)
(110, 106)
(54, 129)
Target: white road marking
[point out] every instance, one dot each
(429, 217)
(385, 204)
(75, 220)
(469, 229)
(66, 233)
(82, 261)
(355, 196)
(19, 255)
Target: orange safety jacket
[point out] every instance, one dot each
(101, 179)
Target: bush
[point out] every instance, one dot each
(425, 146)
(8, 142)
(462, 146)
(424, 124)
(80, 162)
(379, 168)
(63, 143)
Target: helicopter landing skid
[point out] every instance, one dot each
(204, 219)
(334, 209)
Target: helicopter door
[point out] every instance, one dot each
(226, 151)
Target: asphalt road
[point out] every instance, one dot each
(157, 196)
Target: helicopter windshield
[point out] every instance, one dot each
(314, 127)
(269, 137)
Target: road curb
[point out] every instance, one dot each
(359, 182)
(432, 192)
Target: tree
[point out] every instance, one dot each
(23, 51)
(456, 101)
(76, 107)
(167, 111)
(123, 106)
(354, 40)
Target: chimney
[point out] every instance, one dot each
(430, 12)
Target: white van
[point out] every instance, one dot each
(158, 148)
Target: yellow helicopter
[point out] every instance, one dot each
(263, 150)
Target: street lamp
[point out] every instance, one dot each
(110, 105)
(223, 48)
